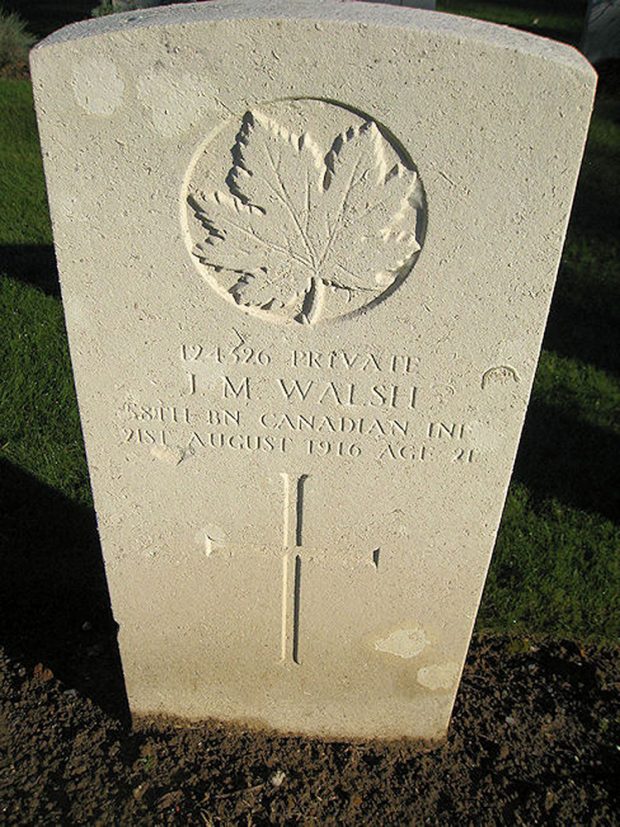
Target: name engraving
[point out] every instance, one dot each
(242, 400)
(348, 395)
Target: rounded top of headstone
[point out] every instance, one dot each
(329, 11)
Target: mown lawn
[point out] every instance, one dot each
(556, 567)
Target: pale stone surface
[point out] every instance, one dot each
(307, 251)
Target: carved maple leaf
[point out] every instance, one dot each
(294, 221)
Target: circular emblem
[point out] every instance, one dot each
(303, 211)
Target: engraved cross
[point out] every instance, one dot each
(292, 543)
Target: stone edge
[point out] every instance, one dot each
(328, 11)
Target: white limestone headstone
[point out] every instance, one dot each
(307, 251)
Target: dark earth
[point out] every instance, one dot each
(534, 740)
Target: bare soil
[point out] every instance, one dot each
(534, 740)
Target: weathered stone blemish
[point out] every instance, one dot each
(175, 100)
(211, 538)
(500, 375)
(97, 85)
(166, 453)
(439, 676)
(404, 643)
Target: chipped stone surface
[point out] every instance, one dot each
(97, 86)
(175, 101)
(404, 643)
(306, 252)
(439, 676)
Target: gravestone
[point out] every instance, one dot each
(307, 251)
(601, 35)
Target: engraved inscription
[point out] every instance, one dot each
(348, 361)
(240, 391)
(245, 399)
(154, 413)
(301, 226)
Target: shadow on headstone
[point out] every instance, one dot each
(33, 264)
(53, 591)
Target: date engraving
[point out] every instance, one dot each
(240, 397)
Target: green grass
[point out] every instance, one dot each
(24, 217)
(555, 571)
(39, 423)
(556, 565)
(559, 19)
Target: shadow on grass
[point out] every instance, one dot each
(577, 463)
(596, 211)
(584, 322)
(33, 264)
(585, 312)
(45, 16)
(53, 591)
